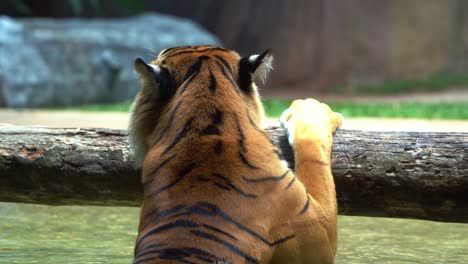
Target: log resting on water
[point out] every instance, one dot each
(390, 174)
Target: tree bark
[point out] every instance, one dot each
(391, 174)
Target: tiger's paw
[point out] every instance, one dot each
(310, 119)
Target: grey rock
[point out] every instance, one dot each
(50, 62)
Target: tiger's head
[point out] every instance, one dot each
(199, 78)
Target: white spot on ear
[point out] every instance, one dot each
(156, 68)
(253, 58)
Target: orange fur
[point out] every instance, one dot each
(214, 186)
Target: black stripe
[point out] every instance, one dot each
(156, 169)
(196, 51)
(200, 252)
(251, 121)
(164, 258)
(141, 261)
(179, 215)
(306, 206)
(187, 261)
(203, 179)
(241, 192)
(179, 177)
(291, 182)
(230, 246)
(282, 240)
(221, 186)
(217, 117)
(152, 212)
(230, 184)
(195, 68)
(151, 246)
(211, 210)
(229, 77)
(175, 49)
(175, 224)
(181, 134)
(269, 178)
(219, 231)
(167, 50)
(211, 130)
(180, 254)
(147, 100)
(169, 122)
(226, 64)
(242, 147)
(246, 162)
(218, 147)
(208, 47)
(241, 136)
(163, 213)
(186, 84)
(206, 260)
(213, 84)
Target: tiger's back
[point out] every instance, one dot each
(215, 187)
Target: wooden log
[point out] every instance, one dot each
(391, 174)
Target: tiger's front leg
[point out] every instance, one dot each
(310, 126)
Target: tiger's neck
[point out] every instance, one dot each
(221, 149)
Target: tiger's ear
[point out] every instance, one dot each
(154, 78)
(255, 69)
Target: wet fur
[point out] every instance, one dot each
(216, 190)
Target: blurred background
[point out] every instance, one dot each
(394, 59)
(386, 65)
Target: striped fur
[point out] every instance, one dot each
(216, 189)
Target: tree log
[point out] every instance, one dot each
(390, 174)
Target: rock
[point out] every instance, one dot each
(49, 62)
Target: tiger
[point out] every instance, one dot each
(215, 187)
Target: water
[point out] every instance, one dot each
(88, 234)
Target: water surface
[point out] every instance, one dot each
(91, 234)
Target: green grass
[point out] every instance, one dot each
(433, 83)
(116, 107)
(274, 108)
(404, 110)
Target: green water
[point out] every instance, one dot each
(85, 234)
